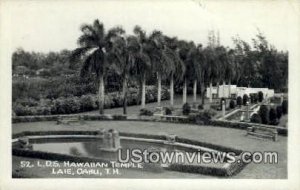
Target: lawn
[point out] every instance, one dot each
(223, 136)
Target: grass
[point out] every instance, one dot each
(229, 137)
(217, 135)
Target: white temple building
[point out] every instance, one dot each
(232, 91)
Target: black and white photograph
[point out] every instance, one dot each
(185, 89)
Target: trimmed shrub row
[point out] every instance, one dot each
(69, 105)
(268, 116)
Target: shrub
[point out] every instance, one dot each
(146, 112)
(200, 107)
(232, 104)
(71, 105)
(186, 109)
(279, 111)
(253, 98)
(86, 103)
(273, 117)
(284, 107)
(255, 118)
(245, 99)
(264, 114)
(239, 101)
(168, 111)
(260, 96)
(203, 117)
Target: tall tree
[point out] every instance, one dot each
(143, 66)
(161, 63)
(177, 69)
(197, 69)
(93, 43)
(230, 69)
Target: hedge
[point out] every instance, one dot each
(74, 104)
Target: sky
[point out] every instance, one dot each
(44, 26)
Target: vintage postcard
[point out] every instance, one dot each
(198, 90)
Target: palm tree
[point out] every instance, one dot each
(142, 66)
(93, 44)
(222, 60)
(177, 69)
(127, 57)
(211, 67)
(184, 49)
(161, 63)
(197, 71)
(230, 70)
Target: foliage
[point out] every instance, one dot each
(231, 104)
(279, 111)
(253, 98)
(73, 104)
(273, 120)
(186, 109)
(202, 117)
(284, 107)
(112, 53)
(200, 107)
(146, 112)
(245, 99)
(168, 111)
(264, 114)
(260, 96)
(255, 118)
(239, 101)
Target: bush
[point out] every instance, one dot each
(284, 107)
(279, 111)
(86, 103)
(168, 111)
(72, 105)
(255, 118)
(260, 96)
(202, 117)
(186, 109)
(146, 112)
(253, 98)
(200, 107)
(245, 99)
(239, 101)
(232, 104)
(264, 114)
(273, 117)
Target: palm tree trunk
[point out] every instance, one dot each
(210, 92)
(140, 92)
(229, 88)
(195, 91)
(184, 91)
(218, 89)
(125, 95)
(158, 89)
(101, 94)
(202, 93)
(172, 91)
(144, 91)
(224, 88)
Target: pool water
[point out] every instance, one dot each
(91, 147)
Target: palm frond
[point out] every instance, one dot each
(78, 53)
